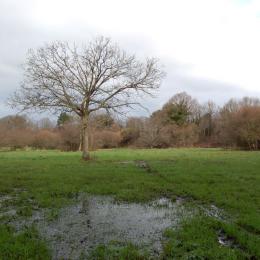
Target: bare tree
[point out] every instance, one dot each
(84, 80)
(208, 112)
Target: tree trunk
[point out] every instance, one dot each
(80, 140)
(85, 148)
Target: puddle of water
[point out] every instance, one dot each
(8, 213)
(3, 199)
(227, 241)
(98, 220)
(213, 211)
(4, 209)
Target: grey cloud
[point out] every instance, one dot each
(18, 33)
(201, 89)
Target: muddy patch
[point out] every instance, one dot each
(97, 220)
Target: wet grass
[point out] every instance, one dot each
(25, 245)
(117, 250)
(228, 179)
(188, 243)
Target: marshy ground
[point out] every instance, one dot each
(130, 204)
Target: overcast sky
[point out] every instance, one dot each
(209, 48)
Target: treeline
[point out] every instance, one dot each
(181, 122)
(20, 132)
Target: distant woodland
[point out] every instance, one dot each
(181, 122)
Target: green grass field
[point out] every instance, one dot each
(229, 180)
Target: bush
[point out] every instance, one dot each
(46, 139)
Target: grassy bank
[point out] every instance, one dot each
(229, 180)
